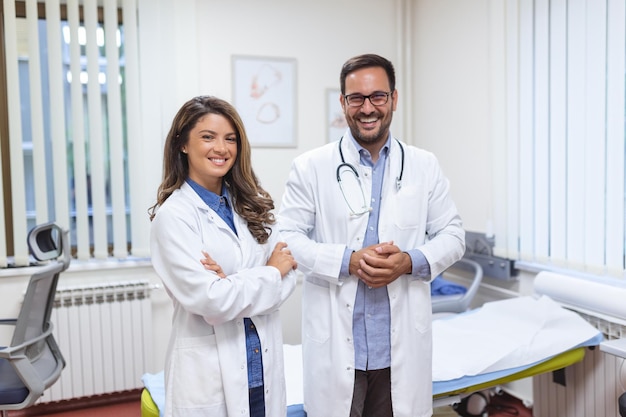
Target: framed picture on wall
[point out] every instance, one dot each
(264, 93)
(335, 120)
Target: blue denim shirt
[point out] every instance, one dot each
(253, 344)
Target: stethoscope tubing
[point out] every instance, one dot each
(351, 167)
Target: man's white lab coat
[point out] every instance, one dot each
(316, 222)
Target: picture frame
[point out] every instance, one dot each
(336, 124)
(264, 94)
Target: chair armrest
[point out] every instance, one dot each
(478, 277)
(18, 350)
(459, 303)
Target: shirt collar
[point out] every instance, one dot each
(364, 153)
(209, 197)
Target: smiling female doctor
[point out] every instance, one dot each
(225, 355)
(370, 220)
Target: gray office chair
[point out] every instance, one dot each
(33, 361)
(458, 303)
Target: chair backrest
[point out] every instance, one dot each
(36, 361)
(46, 242)
(34, 317)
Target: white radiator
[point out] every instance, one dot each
(105, 334)
(592, 386)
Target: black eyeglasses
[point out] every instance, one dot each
(377, 98)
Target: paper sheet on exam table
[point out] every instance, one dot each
(505, 334)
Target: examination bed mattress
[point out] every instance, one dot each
(545, 338)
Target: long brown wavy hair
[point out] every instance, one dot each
(249, 199)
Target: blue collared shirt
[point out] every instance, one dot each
(221, 205)
(371, 320)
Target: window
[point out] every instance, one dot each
(565, 182)
(71, 74)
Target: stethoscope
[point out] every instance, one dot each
(365, 208)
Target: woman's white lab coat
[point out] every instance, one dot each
(206, 366)
(314, 210)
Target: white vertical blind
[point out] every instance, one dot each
(615, 147)
(595, 137)
(80, 72)
(526, 143)
(57, 114)
(497, 94)
(3, 244)
(541, 131)
(16, 149)
(96, 136)
(140, 232)
(558, 130)
(78, 136)
(36, 112)
(508, 246)
(116, 133)
(575, 170)
(4, 261)
(566, 70)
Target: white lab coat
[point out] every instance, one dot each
(206, 366)
(314, 210)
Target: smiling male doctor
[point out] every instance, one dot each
(370, 221)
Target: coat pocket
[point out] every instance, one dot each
(419, 291)
(196, 380)
(315, 314)
(410, 208)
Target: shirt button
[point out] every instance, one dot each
(256, 350)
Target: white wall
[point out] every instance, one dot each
(320, 35)
(451, 93)
(446, 60)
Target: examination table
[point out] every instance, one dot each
(501, 341)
